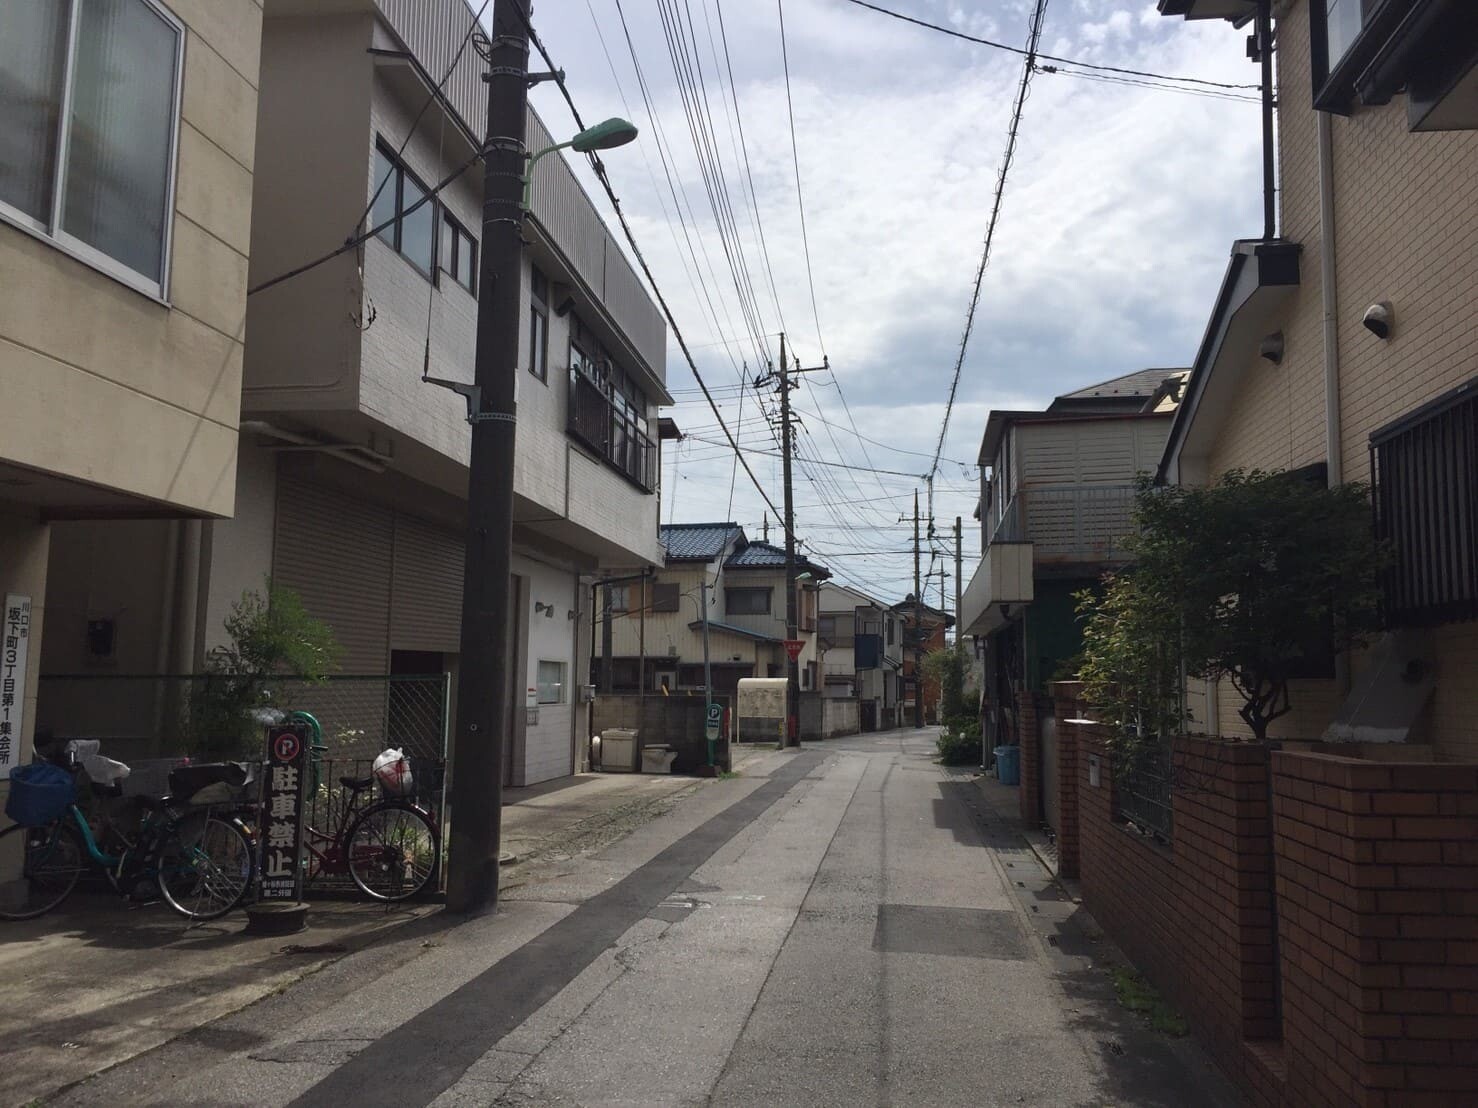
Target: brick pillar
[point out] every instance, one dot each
(1029, 796)
(1069, 744)
(1377, 868)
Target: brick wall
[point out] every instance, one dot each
(1029, 796)
(1195, 915)
(1378, 905)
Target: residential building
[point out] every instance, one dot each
(1057, 499)
(859, 641)
(127, 147)
(923, 626)
(1306, 903)
(353, 471)
(656, 625)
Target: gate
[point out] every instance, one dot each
(1051, 798)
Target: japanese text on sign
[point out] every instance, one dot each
(15, 634)
(282, 814)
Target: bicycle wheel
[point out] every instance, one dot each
(206, 865)
(39, 868)
(392, 851)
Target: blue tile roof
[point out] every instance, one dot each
(763, 555)
(697, 542)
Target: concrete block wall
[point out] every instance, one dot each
(1378, 907)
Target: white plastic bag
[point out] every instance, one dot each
(99, 768)
(392, 770)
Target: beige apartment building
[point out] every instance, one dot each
(1349, 344)
(127, 143)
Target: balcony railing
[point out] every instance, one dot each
(1070, 523)
(595, 421)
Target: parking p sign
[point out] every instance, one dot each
(715, 718)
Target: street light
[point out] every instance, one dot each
(603, 136)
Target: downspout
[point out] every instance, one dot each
(1329, 298)
(168, 696)
(1269, 164)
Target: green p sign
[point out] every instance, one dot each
(715, 718)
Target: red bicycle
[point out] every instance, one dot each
(391, 848)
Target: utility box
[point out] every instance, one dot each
(619, 750)
(759, 715)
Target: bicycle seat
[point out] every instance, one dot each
(357, 783)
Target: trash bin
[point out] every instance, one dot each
(1008, 764)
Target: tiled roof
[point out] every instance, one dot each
(1138, 385)
(715, 625)
(697, 542)
(763, 555)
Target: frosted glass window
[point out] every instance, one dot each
(33, 71)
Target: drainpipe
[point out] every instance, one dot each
(188, 603)
(1328, 294)
(1329, 297)
(1269, 165)
(166, 697)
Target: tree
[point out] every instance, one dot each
(949, 667)
(267, 636)
(1248, 579)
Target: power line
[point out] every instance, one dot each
(1034, 36)
(796, 158)
(598, 167)
(834, 465)
(1045, 57)
(1210, 94)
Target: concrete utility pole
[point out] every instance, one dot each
(959, 564)
(484, 708)
(918, 623)
(787, 436)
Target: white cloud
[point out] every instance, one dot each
(1117, 219)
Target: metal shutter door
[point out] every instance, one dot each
(335, 552)
(426, 612)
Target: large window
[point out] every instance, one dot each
(747, 602)
(89, 100)
(1425, 470)
(1343, 20)
(608, 408)
(410, 230)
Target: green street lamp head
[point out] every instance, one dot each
(604, 136)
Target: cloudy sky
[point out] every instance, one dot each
(1118, 215)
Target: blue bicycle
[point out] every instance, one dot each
(202, 862)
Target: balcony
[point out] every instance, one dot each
(1003, 580)
(1070, 524)
(614, 435)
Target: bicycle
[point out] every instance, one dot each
(202, 863)
(391, 849)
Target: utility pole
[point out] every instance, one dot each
(792, 665)
(959, 566)
(918, 623)
(484, 708)
(787, 435)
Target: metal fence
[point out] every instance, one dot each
(1142, 793)
(154, 723)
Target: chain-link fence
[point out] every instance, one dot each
(154, 723)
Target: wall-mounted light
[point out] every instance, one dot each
(1271, 347)
(1380, 319)
(570, 614)
(546, 610)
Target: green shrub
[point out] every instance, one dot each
(959, 742)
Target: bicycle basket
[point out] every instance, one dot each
(39, 794)
(393, 771)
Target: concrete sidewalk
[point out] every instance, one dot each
(102, 981)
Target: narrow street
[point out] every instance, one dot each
(841, 925)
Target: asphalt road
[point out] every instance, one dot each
(844, 925)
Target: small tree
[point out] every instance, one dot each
(268, 636)
(1243, 580)
(950, 668)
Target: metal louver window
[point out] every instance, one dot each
(1425, 469)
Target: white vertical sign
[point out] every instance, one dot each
(15, 637)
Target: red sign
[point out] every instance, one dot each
(793, 648)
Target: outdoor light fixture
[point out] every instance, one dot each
(1379, 319)
(547, 610)
(603, 136)
(1271, 347)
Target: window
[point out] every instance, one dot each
(551, 682)
(411, 233)
(608, 409)
(747, 602)
(826, 626)
(1425, 493)
(665, 596)
(620, 597)
(539, 325)
(458, 253)
(1343, 20)
(88, 129)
